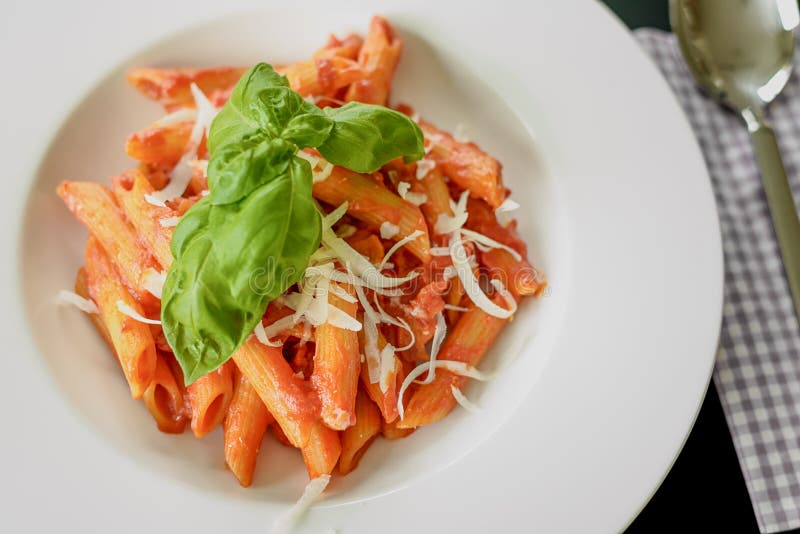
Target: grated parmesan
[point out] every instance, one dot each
(125, 309)
(463, 400)
(153, 281)
(285, 523)
(85, 305)
(389, 230)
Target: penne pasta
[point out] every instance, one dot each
(244, 426)
(357, 439)
(378, 57)
(386, 401)
(94, 205)
(288, 398)
(171, 86)
(372, 203)
(388, 267)
(209, 397)
(468, 341)
(161, 145)
(438, 194)
(337, 364)
(164, 398)
(466, 165)
(347, 48)
(82, 289)
(391, 430)
(130, 189)
(322, 450)
(323, 76)
(131, 339)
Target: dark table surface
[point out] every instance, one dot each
(705, 490)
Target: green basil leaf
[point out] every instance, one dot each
(309, 130)
(365, 137)
(190, 226)
(236, 170)
(237, 120)
(283, 113)
(231, 261)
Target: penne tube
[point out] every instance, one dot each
(386, 401)
(164, 398)
(468, 341)
(131, 339)
(323, 76)
(130, 189)
(378, 57)
(209, 398)
(335, 47)
(466, 165)
(374, 204)
(357, 439)
(391, 431)
(288, 399)
(322, 451)
(276, 430)
(337, 364)
(435, 188)
(244, 426)
(518, 276)
(171, 87)
(94, 206)
(161, 145)
(82, 289)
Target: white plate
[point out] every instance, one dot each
(599, 382)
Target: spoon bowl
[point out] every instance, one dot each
(741, 52)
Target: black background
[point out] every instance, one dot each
(705, 490)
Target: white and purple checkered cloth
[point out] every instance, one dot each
(757, 371)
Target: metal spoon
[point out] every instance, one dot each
(741, 52)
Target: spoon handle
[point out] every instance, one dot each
(781, 203)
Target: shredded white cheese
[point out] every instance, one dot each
(424, 166)
(463, 400)
(418, 199)
(85, 305)
(133, 314)
(503, 211)
(389, 253)
(396, 321)
(402, 188)
(359, 265)
(169, 222)
(341, 319)
(389, 230)
(182, 173)
(261, 336)
(286, 522)
(453, 307)
(153, 281)
(507, 205)
(458, 368)
(485, 243)
(439, 334)
(325, 167)
(181, 115)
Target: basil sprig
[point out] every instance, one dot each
(250, 238)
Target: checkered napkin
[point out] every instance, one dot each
(758, 364)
